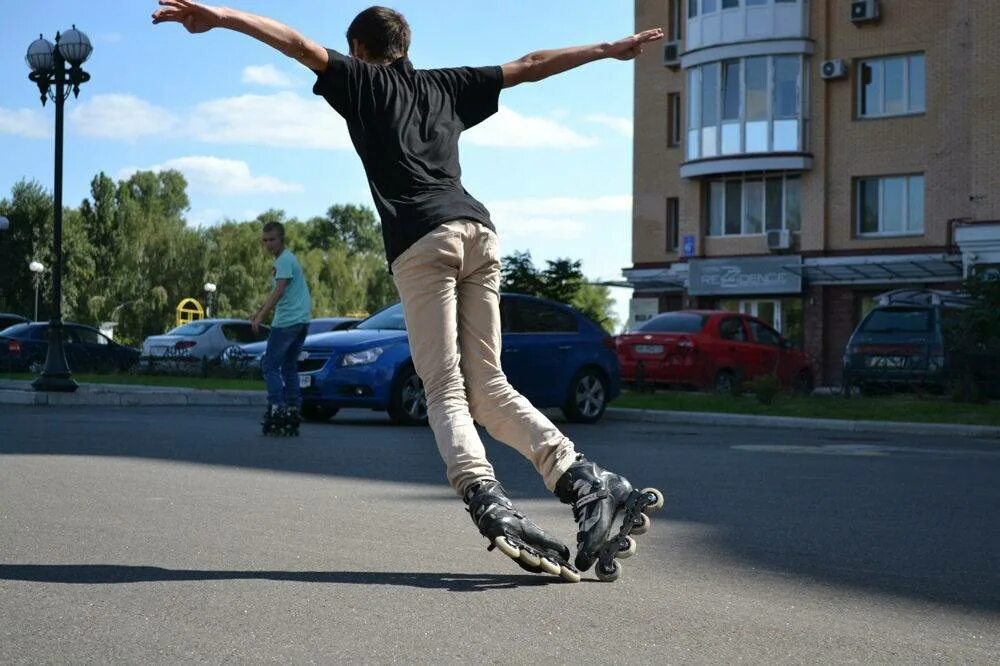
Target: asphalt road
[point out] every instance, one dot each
(173, 535)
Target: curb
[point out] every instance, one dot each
(14, 392)
(841, 425)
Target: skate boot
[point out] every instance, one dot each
(514, 535)
(273, 421)
(600, 498)
(292, 420)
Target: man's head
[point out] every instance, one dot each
(273, 238)
(379, 36)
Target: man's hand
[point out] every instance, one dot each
(194, 16)
(630, 47)
(255, 323)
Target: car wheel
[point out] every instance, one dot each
(408, 402)
(804, 383)
(588, 397)
(318, 413)
(725, 382)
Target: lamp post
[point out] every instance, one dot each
(209, 292)
(36, 268)
(59, 65)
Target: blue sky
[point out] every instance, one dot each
(240, 121)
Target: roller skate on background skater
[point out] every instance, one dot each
(599, 499)
(281, 421)
(513, 534)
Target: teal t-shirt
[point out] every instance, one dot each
(295, 304)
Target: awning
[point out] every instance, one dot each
(880, 269)
(673, 278)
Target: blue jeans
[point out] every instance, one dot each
(284, 344)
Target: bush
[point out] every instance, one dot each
(765, 387)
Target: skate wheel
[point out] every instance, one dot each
(569, 575)
(549, 567)
(641, 524)
(608, 573)
(657, 499)
(626, 548)
(531, 559)
(506, 548)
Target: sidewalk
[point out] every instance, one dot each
(19, 392)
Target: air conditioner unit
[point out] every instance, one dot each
(863, 11)
(833, 69)
(672, 54)
(779, 239)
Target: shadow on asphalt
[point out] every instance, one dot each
(909, 521)
(110, 574)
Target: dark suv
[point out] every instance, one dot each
(903, 341)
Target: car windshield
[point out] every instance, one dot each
(899, 320)
(391, 318)
(193, 328)
(674, 322)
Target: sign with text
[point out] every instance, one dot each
(750, 275)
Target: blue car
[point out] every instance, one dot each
(552, 354)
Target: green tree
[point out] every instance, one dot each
(595, 301)
(518, 275)
(30, 212)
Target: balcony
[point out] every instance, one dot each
(717, 22)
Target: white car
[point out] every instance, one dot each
(202, 339)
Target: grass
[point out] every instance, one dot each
(900, 407)
(209, 383)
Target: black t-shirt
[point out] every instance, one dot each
(405, 124)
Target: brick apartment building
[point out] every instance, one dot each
(795, 158)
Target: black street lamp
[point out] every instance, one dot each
(48, 64)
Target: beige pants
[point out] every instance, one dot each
(449, 282)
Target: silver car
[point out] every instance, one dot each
(250, 354)
(202, 339)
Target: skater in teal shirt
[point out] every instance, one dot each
(292, 307)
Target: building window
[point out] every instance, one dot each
(674, 20)
(673, 224)
(753, 206)
(730, 4)
(692, 8)
(891, 87)
(749, 105)
(783, 314)
(673, 120)
(890, 206)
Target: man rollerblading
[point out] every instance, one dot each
(599, 498)
(292, 305)
(442, 249)
(515, 535)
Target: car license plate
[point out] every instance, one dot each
(305, 381)
(649, 349)
(887, 361)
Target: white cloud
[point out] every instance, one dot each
(266, 75)
(556, 218)
(24, 122)
(282, 120)
(119, 116)
(220, 176)
(510, 129)
(621, 125)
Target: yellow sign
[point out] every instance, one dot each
(189, 310)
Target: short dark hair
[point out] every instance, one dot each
(275, 226)
(384, 33)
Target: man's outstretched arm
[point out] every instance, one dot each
(543, 64)
(197, 17)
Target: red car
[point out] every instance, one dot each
(710, 349)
